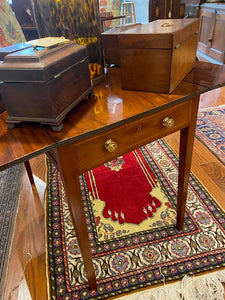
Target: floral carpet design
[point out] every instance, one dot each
(133, 259)
(210, 130)
(10, 30)
(113, 6)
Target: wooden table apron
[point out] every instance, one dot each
(131, 119)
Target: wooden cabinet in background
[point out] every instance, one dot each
(25, 16)
(165, 9)
(212, 31)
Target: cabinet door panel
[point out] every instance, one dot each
(176, 9)
(206, 31)
(165, 9)
(158, 9)
(218, 41)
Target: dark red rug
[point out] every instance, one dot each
(130, 206)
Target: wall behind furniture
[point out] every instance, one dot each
(115, 6)
(141, 9)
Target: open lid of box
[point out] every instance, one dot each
(162, 33)
(40, 62)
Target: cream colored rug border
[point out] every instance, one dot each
(208, 286)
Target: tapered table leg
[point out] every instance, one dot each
(65, 160)
(185, 155)
(29, 171)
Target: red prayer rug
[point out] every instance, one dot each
(130, 207)
(210, 130)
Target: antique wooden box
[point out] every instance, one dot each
(43, 84)
(3, 52)
(155, 57)
(110, 43)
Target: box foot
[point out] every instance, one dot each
(10, 125)
(57, 128)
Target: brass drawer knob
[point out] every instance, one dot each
(168, 122)
(110, 145)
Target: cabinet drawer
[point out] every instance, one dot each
(125, 138)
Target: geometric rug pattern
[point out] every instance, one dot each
(210, 130)
(127, 258)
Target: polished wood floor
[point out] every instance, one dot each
(26, 278)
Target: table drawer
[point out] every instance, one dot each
(123, 139)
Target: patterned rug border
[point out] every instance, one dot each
(201, 139)
(208, 285)
(203, 270)
(13, 180)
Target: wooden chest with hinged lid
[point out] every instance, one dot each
(43, 84)
(155, 57)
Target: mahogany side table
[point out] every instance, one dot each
(108, 125)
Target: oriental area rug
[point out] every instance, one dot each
(210, 130)
(130, 207)
(10, 183)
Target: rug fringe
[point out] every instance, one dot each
(205, 287)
